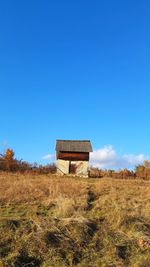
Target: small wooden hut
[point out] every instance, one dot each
(73, 156)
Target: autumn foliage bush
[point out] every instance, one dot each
(140, 172)
(143, 171)
(99, 173)
(10, 164)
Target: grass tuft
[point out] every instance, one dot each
(52, 221)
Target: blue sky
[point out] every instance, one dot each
(75, 70)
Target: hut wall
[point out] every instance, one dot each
(73, 156)
(62, 166)
(81, 167)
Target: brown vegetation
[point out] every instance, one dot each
(52, 221)
(10, 164)
(141, 172)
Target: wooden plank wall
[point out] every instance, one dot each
(75, 156)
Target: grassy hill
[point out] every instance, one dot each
(52, 221)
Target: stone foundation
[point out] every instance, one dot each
(81, 167)
(62, 166)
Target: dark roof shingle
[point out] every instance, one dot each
(74, 145)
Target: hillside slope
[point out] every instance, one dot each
(51, 221)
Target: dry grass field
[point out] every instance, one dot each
(52, 221)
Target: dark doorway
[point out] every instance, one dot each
(72, 168)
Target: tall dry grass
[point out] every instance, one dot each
(30, 188)
(50, 220)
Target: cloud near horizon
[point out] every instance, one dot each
(107, 158)
(50, 157)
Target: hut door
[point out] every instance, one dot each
(72, 168)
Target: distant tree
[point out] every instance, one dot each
(146, 164)
(139, 168)
(9, 155)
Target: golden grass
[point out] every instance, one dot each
(21, 188)
(50, 220)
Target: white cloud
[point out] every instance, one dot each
(131, 160)
(50, 157)
(107, 158)
(103, 157)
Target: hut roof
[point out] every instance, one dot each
(74, 145)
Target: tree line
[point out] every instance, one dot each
(9, 163)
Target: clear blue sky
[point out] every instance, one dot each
(74, 70)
